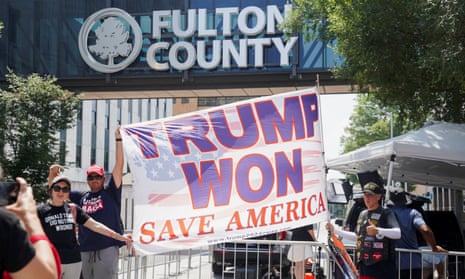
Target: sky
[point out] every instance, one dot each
(336, 110)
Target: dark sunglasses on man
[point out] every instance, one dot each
(94, 177)
(57, 189)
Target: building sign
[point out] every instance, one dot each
(111, 39)
(112, 33)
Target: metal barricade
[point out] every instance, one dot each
(262, 259)
(432, 265)
(193, 263)
(244, 259)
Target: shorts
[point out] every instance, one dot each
(299, 252)
(430, 260)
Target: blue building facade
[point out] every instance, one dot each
(43, 36)
(131, 59)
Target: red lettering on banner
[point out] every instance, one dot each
(278, 213)
(147, 230)
(205, 224)
(168, 230)
(235, 220)
(182, 227)
(292, 207)
(253, 218)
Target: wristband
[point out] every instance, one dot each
(118, 139)
(34, 238)
(38, 237)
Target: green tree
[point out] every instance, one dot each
(33, 110)
(408, 54)
(371, 122)
(367, 124)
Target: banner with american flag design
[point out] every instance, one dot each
(230, 172)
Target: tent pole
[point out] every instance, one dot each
(389, 178)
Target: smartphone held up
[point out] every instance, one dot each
(8, 192)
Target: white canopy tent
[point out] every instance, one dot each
(433, 155)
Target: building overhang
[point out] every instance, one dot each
(214, 85)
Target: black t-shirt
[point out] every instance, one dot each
(15, 249)
(59, 226)
(301, 234)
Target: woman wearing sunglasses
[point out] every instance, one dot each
(60, 218)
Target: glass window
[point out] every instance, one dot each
(106, 135)
(79, 137)
(130, 111)
(93, 141)
(118, 111)
(42, 37)
(139, 110)
(62, 148)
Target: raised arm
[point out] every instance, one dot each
(119, 160)
(54, 171)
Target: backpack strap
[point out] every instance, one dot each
(73, 211)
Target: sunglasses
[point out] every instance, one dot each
(57, 189)
(94, 177)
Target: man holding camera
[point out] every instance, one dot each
(25, 251)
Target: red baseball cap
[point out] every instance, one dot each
(95, 169)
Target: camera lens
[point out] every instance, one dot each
(8, 192)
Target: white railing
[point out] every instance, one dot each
(434, 265)
(252, 259)
(260, 259)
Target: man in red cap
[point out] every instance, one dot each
(103, 203)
